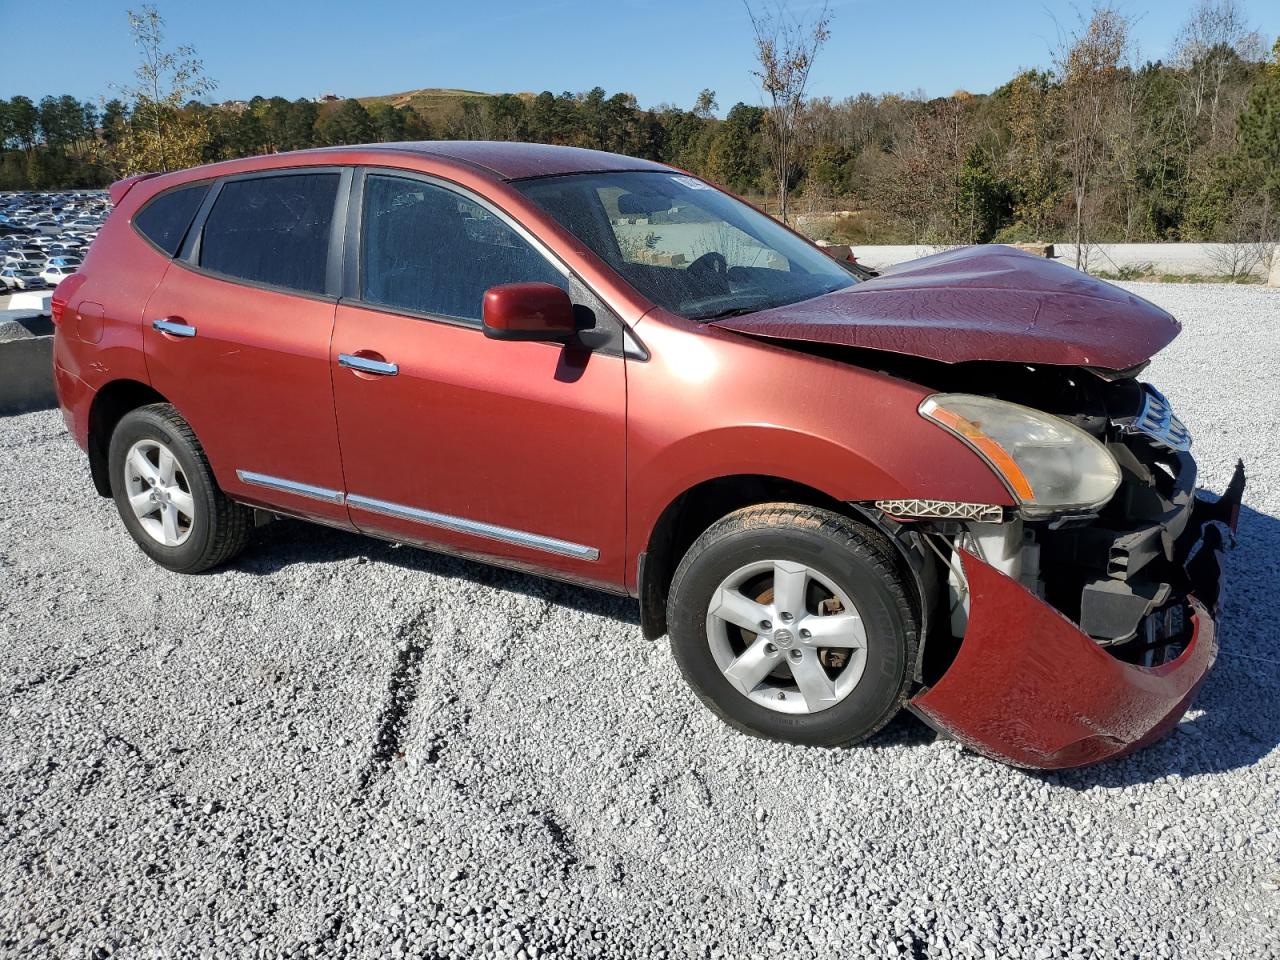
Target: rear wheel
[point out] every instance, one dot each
(166, 494)
(793, 623)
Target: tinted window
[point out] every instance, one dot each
(427, 249)
(165, 219)
(272, 230)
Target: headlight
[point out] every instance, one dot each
(1048, 464)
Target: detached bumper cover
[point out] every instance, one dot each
(1027, 687)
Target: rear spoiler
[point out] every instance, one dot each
(121, 187)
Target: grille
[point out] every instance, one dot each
(1157, 422)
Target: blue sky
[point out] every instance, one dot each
(660, 50)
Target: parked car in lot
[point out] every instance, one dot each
(15, 277)
(19, 257)
(53, 274)
(944, 487)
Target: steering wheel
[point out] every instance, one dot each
(710, 262)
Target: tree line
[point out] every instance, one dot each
(1097, 146)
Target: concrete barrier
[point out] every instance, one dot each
(33, 300)
(1179, 259)
(26, 375)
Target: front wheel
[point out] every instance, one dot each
(793, 623)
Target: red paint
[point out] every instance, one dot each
(63, 292)
(121, 187)
(1028, 688)
(979, 303)
(527, 436)
(254, 383)
(527, 311)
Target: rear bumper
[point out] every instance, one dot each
(1029, 688)
(75, 398)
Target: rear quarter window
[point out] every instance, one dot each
(272, 230)
(164, 221)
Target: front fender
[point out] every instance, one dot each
(711, 404)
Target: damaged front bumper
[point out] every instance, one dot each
(1029, 688)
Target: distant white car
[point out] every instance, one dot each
(54, 274)
(20, 278)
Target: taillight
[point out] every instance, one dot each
(62, 294)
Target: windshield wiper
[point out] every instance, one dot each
(726, 314)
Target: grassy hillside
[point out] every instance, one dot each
(432, 102)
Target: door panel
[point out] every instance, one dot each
(506, 451)
(253, 381)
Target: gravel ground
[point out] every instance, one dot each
(340, 747)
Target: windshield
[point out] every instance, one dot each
(685, 245)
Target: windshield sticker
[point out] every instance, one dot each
(692, 183)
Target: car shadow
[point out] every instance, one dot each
(1234, 720)
(286, 542)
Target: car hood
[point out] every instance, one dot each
(978, 303)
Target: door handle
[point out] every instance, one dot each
(367, 365)
(174, 326)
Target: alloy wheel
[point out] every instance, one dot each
(159, 493)
(786, 636)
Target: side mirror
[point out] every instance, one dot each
(528, 311)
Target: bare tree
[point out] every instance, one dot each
(1215, 39)
(1088, 62)
(786, 46)
(926, 190)
(163, 134)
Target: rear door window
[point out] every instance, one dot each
(425, 249)
(272, 230)
(164, 221)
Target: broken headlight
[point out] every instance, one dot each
(1048, 464)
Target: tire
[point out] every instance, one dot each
(845, 563)
(208, 528)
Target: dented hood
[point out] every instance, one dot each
(979, 303)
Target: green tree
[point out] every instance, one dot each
(705, 107)
(347, 123)
(114, 116)
(416, 126)
(505, 117)
(24, 121)
(300, 125)
(542, 119)
(1032, 165)
(1259, 131)
(388, 123)
(735, 156)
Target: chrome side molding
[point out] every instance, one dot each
(519, 538)
(291, 486)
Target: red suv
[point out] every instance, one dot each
(943, 487)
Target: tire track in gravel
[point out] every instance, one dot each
(393, 720)
(59, 675)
